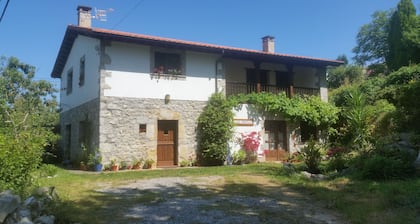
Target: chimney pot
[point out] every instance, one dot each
(268, 44)
(84, 16)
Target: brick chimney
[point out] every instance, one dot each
(84, 16)
(268, 44)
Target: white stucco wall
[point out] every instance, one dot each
(235, 70)
(247, 112)
(129, 75)
(244, 112)
(83, 46)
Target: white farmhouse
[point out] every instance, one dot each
(133, 95)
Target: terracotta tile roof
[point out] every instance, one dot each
(73, 31)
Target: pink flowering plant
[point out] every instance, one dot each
(250, 144)
(251, 141)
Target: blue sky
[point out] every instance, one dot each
(33, 30)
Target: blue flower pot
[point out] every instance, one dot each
(98, 167)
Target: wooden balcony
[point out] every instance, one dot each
(234, 88)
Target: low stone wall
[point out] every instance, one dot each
(120, 118)
(31, 210)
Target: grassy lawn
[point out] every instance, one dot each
(358, 201)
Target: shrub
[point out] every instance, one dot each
(27, 119)
(238, 157)
(18, 159)
(250, 143)
(312, 154)
(385, 164)
(337, 159)
(215, 126)
(48, 170)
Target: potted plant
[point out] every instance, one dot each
(83, 158)
(148, 163)
(114, 165)
(95, 161)
(137, 163)
(98, 163)
(124, 165)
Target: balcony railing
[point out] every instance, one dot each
(234, 88)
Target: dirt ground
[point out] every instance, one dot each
(215, 199)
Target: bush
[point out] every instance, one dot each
(385, 164)
(18, 161)
(215, 128)
(337, 159)
(238, 157)
(312, 154)
(48, 170)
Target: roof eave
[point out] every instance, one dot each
(73, 31)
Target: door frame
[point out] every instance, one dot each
(170, 125)
(277, 154)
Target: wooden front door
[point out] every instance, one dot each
(275, 142)
(167, 143)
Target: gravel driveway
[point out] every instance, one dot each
(205, 200)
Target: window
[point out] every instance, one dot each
(82, 71)
(251, 76)
(307, 131)
(283, 79)
(67, 143)
(69, 81)
(168, 63)
(142, 128)
(84, 132)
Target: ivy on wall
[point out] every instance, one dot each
(310, 109)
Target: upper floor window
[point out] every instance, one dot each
(284, 79)
(168, 63)
(82, 71)
(69, 81)
(253, 77)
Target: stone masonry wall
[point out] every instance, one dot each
(120, 118)
(87, 112)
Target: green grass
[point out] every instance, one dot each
(359, 201)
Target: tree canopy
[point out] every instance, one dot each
(372, 40)
(391, 38)
(403, 36)
(27, 118)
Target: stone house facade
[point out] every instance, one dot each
(138, 96)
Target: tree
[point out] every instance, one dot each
(404, 36)
(344, 74)
(343, 58)
(402, 88)
(215, 129)
(27, 118)
(372, 40)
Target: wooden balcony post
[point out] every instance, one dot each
(291, 91)
(258, 75)
(290, 80)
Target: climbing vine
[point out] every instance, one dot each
(310, 109)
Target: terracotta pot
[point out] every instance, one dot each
(114, 167)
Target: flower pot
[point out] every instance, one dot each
(83, 167)
(136, 166)
(98, 167)
(114, 167)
